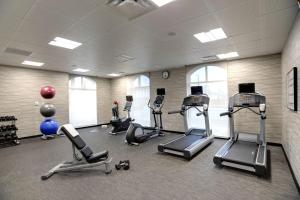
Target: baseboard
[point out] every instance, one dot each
(29, 137)
(222, 138)
(291, 169)
(170, 131)
(92, 126)
(274, 144)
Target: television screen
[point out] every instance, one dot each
(197, 90)
(161, 91)
(247, 88)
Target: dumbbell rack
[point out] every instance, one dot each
(8, 131)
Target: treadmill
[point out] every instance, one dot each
(246, 151)
(194, 139)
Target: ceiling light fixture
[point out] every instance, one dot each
(161, 3)
(65, 43)
(81, 70)
(32, 63)
(210, 36)
(228, 55)
(114, 74)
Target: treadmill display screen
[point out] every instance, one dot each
(247, 88)
(196, 90)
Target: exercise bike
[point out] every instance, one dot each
(137, 133)
(120, 125)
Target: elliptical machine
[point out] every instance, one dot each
(121, 124)
(137, 133)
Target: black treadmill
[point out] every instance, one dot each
(246, 151)
(194, 139)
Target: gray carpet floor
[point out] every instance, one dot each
(152, 175)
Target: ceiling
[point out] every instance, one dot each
(253, 27)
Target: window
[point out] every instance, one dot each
(82, 101)
(214, 82)
(139, 88)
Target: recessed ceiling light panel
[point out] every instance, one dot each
(161, 3)
(64, 43)
(114, 74)
(81, 70)
(32, 63)
(228, 55)
(210, 36)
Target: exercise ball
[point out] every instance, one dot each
(47, 110)
(48, 92)
(49, 127)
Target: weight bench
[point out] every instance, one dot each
(88, 158)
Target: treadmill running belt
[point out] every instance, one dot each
(184, 142)
(241, 151)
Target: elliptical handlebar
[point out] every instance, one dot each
(149, 105)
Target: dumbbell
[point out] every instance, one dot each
(123, 164)
(3, 128)
(12, 127)
(9, 128)
(8, 137)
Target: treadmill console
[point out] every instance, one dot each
(159, 100)
(247, 97)
(247, 100)
(195, 100)
(128, 104)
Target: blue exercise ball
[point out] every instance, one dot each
(49, 127)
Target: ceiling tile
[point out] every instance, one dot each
(239, 19)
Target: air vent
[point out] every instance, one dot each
(209, 58)
(123, 58)
(131, 9)
(17, 51)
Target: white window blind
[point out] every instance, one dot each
(82, 101)
(213, 78)
(139, 87)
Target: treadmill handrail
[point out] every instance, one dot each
(233, 112)
(174, 112)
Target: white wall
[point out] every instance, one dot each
(291, 120)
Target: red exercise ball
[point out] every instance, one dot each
(48, 92)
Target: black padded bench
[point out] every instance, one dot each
(89, 159)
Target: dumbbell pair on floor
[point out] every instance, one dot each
(125, 164)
